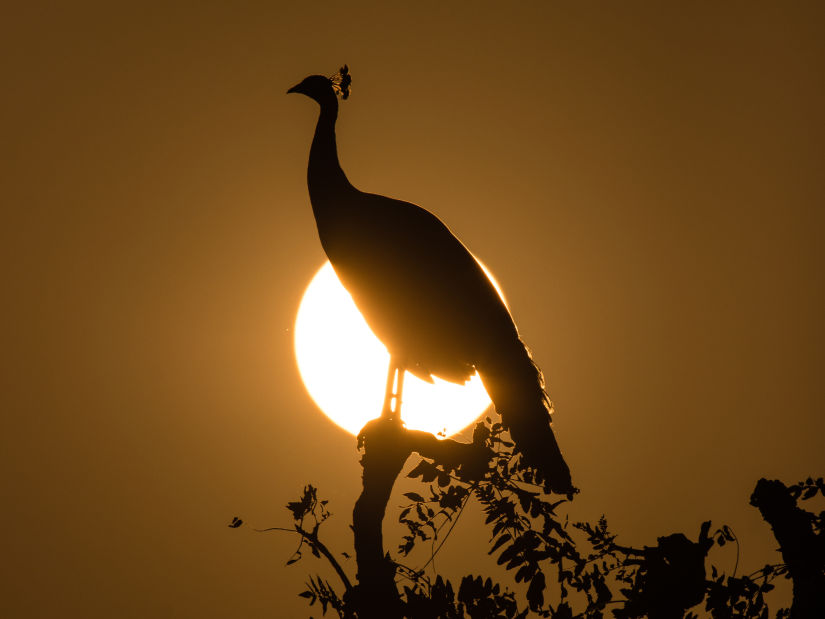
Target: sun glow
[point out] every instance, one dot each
(344, 368)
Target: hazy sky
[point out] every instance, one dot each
(645, 183)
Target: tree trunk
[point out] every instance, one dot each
(792, 528)
(385, 452)
(387, 445)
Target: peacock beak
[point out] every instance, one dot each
(293, 89)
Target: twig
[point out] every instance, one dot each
(312, 538)
(450, 530)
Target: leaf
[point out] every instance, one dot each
(419, 469)
(297, 508)
(501, 540)
(809, 492)
(524, 572)
(414, 496)
(524, 499)
(535, 592)
(497, 527)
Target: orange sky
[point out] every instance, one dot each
(646, 184)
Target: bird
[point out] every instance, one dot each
(424, 295)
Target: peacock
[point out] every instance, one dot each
(424, 295)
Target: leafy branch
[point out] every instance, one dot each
(564, 569)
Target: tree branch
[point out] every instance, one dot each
(312, 538)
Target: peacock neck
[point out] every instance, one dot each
(325, 177)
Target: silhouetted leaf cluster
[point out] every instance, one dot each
(525, 529)
(308, 506)
(728, 596)
(236, 522)
(806, 490)
(477, 598)
(425, 518)
(321, 591)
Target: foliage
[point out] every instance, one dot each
(808, 489)
(559, 569)
(308, 505)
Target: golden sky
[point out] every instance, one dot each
(645, 182)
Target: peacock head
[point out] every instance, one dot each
(325, 89)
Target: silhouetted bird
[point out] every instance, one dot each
(424, 295)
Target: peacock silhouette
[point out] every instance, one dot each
(424, 295)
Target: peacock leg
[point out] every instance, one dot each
(386, 411)
(398, 390)
(392, 395)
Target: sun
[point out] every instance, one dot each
(344, 368)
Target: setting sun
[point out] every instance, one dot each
(344, 368)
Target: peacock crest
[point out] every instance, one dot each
(341, 82)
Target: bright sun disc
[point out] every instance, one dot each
(344, 368)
